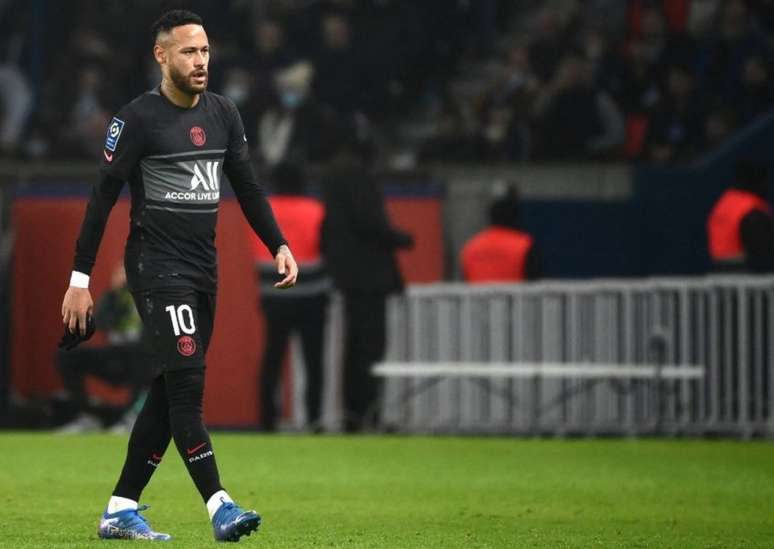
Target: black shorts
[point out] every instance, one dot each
(178, 326)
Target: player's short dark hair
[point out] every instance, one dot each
(175, 18)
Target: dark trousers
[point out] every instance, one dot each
(125, 364)
(365, 344)
(284, 316)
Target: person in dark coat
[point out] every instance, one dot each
(358, 246)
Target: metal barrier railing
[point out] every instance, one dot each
(725, 324)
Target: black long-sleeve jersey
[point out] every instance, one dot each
(173, 159)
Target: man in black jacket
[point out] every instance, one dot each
(358, 244)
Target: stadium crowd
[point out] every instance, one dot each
(487, 81)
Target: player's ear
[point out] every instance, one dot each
(160, 54)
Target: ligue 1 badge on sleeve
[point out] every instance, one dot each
(115, 128)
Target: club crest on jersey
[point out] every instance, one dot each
(198, 137)
(114, 130)
(186, 345)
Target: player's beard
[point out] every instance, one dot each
(184, 82)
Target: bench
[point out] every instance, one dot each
(536, 369)
(588, 374)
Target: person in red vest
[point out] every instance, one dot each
(302, 311)
(740, 231)
(502, 252)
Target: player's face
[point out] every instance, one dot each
(187, 55)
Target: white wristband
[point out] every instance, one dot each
(79, 280)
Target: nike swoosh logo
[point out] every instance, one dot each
(108, 157)
(196, 449)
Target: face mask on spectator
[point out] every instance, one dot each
(291, 99)
(236, 91)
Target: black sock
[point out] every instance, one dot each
(185, 392)
(147, 443)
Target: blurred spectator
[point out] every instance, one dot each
(16, 95)
(518, 81)
(550, 44)
(701, 17)
(384, 35)
(740, 230)
(359, 245)
(575, 119)
(78, 97)
(271, 49)
(301, 311)
(122, 362)
(718, 126)
(607, 16)
(289, 130)
(89, 115)
(449, 142)
(661, 47)
(236, 86)
(758, 89)
(450, 33)
(763, 11)
(481, 19)
(388, 63)
(604, 64)
(639, 90)
(504, 137)
(152, 74)
(271, 54)
(502, 252)
(653, 34)
(737, 40)
(15, 107)
(340, 78)
(505, 125)
(677, 121)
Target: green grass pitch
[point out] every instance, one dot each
(409, 492)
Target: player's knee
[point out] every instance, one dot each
(185, 390)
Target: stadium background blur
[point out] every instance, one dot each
(620, 122)
(434, 80)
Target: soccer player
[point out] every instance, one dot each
(172, 145)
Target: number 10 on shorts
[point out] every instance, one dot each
(182, 319)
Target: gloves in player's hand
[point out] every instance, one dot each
(72, 340)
